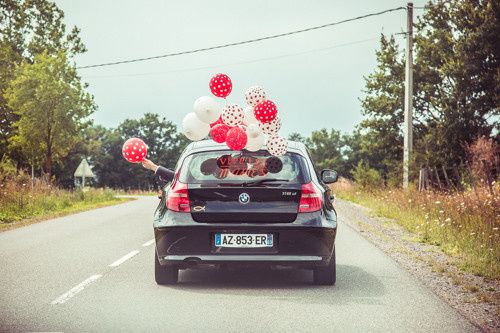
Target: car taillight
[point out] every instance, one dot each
(310, 199)
(177, 198)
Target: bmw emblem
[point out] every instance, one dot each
(244, 198)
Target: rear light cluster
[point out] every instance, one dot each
(177, 198)
(310, 200)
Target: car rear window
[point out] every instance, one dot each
(215, 167)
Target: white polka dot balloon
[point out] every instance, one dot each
(207, 109)
(232, 115)
(277, 145)
(271, 128)
(193, 128)
(254, 95)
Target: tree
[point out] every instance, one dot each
(297, 137)
(380, 135)
(164, 148)
(28, 28)
(52, 106)
(456, 88)
(458, 56)
(326, 149)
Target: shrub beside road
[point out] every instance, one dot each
(21, 203)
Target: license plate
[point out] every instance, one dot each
(244, 240)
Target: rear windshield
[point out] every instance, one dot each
(217, 167)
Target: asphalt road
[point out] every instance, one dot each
(93, 271)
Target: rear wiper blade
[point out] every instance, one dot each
(265, 180)
(255, 182)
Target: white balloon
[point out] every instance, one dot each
(207, 109)
(232, 115)
(277, 145)
(271, 128)
(249, 116)
(253, 131)
(254, 95)
(193, 128)
(255, 143)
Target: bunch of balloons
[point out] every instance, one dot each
(240, 128)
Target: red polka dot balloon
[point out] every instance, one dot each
(221, 85)
(236, 138)
(265, 111)
(134, 150)
(218, 133)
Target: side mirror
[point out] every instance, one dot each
(329, 176)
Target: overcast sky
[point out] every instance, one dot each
(315, 78)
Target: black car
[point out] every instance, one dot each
(228, 208)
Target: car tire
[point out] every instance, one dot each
(165, 275)
(326, 276)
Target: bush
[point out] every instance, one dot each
(366, 177)
(19, 199)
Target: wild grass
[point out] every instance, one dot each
(20, 202)
(463, 224)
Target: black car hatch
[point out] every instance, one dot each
(236, 187)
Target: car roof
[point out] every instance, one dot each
(210, 145)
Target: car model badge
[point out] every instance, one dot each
(244, 198)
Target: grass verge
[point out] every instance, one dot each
(22, 205)
(463, 224)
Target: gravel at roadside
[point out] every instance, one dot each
(476, 298)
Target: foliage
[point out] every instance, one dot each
(463, 224)
(483, 156)
(164, 147)
(52, 106)
(456, 87)
(366, 177)
(19, 200)
(27, 29)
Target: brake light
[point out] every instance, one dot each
(310, 199)
(177, 198)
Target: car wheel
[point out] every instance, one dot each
(165, 274)
(326, 275)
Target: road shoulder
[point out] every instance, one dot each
(476, 298)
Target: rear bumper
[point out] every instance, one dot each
(191, 244)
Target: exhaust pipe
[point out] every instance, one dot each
(192, 262)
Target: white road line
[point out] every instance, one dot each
(75, 290)
(124, 258)
(149, 242)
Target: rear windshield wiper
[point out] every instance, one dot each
(265, 180)
(255, 182)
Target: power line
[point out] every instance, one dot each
(234, 63)
(242, 42)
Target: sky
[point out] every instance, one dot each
(315, 78)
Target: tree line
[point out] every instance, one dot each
(46, 126)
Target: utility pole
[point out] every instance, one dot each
(408, 126)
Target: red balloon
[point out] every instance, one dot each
(218, 133)
(217, 122)
(236, 138)
(134, 150)
(265, 111)
(221, 85)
